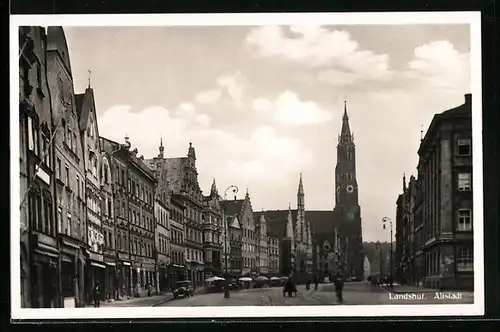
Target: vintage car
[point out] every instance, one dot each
(182, 289)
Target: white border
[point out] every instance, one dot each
(472, 18)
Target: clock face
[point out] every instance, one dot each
(349, 189)
(326, 246)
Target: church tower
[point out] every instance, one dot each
(347, 208)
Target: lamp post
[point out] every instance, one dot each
(386, 220)
(226, 227)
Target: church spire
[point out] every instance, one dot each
(213, 189)
(161, 148)
(301, 186)
(345, 134)
(191, 153)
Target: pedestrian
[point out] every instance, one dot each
(339, 286)
(97, 294)
(308, 284)
(316, 282)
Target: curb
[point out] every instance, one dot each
(162, 301)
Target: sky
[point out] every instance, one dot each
(262, 104)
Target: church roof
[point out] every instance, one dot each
(321, 221)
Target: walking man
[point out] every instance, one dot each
(97, 294)
(339, 286)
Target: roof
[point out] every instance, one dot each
(460, 111)
(322, 222)
(232, 207)
(86, 105)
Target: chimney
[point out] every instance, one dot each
(468, 98)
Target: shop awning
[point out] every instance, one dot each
(110, 263)
(126, 263)
(97, 265)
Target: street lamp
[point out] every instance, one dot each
(384, 223)
(226, 226)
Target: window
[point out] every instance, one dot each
(58, 168)
(464, 181)
(70, 138)
(32, 136)
(465, 260)
(67, 175)
(464, 147)
(59, 219)
(464, 220)
(68, 229)
(78, 185)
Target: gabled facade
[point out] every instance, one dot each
(108, 226)
(212, 222)
(162, 207)
(262, 256)
(235, 268)
(91, 148)
(249, 238)
(117, 154)
(69, 171)
(38, 228)
(183, 178)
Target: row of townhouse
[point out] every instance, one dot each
(93, 211)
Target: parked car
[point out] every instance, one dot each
(183, 289)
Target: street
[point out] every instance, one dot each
(355, 293)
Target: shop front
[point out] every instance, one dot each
(123, 275)
(96, 274)
(71, 270)
(143, 277)
(176, 273)
(44, 272)
(110, 278)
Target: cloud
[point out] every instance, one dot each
(208, 96)
(288, 109)
(439, 65)
(245, 161)
(333, 51)
(234, 84)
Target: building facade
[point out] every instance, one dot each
(442, 231)
(261, 244)
(183, 179)
(117, 155)
(40, 253)
(212, 221)
(177, 269)
(273, 255)
(69, 171)
(91, 148)
(108, 228)
(142, 225)
(248, 238)
(162, 202)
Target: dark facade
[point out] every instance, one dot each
(117, 156)
(233, 257)
(40, 252)
(177, 269)
(273, 255)
(69, 172)
(212, 221)
(442, 231)
(183, 179)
